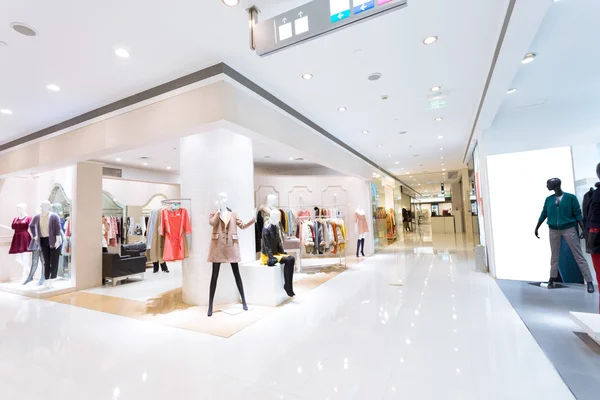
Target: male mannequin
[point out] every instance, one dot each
(273, 253)
(224, 247)
(564, 213)
(360, 227)
(47, 233)
(593, 225)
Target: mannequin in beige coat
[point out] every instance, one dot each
(225, 247)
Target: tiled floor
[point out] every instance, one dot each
(413, 322)
(546, 313)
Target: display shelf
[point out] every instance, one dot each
(60, 286)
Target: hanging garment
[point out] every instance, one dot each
(225, 244)
(21, 238)
(154, 253)
(258, 230)
(143, 224)
(175, 224)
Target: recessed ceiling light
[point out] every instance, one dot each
(121, 52)
(389, 155)
(365, 131)
(307, 76)
(379, 145)
(375, 76)
(441, 158)
(342, 109)
(430, 40)
(529, 57)
(439, 119)
(118, 160)
(53, 87)
(443, 164)
(440, 137)
(145, 163)
(231, 3)
(6, 111)
(397, 162)
(168, 167)
(435, 88)
(511, 91)
(402, 133)
(358, 52)
(23, 29)
(441, 148)
(443, 169)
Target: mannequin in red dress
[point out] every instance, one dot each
(21, 238)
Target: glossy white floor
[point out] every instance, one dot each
(446, 333)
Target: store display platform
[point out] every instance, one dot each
(263, 285)
(590, 323)
(38, 292)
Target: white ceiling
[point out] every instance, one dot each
(76, 42)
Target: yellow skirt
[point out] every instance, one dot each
(265, 258)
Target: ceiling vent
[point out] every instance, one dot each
(453, 175)
(298, 159)
(375, 76)
(113, 172)
(144, 158)
(23, 29)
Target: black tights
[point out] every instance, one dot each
(216, 267)
(288, 274)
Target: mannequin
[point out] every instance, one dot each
(593, 224)
(21, 238)
(564, 214)
(273, 253)
(47, 233)
(225, 247)
(360, 227)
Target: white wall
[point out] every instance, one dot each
(137, 193)
(358, 195)
(517, 191)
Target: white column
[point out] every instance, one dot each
(87, 226)
(211, 163)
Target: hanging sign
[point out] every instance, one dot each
(314, 19)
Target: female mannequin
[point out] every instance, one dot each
(360, 227)
(225, 247)
(21, 238)
(47, 233)
(273, 253)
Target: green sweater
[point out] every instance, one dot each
(565, 215)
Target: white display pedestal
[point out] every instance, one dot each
(263, 286)
(590, 323)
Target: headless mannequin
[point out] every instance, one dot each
(360, 244)
(48, 259)
(554, 184)
(22, 258)
(288, 262)
(224, 215)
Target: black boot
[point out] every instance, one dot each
(357, 247)
(164, 267)
(155, 264)
(590, 287)
(362, 247)
(551, 284)
(288, 275)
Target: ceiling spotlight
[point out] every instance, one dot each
(358, 52)
(402, 133)
(231, 3)
(375, 76)
(365, 131)
(168, 167)
(379, 145)
(397, 162)
(443, 169)
(443, 164)
(439, 119)
(436, 88)
(529, 57)
(307, 76)
(441, 158)
(389, 155)
(342, 109)
(145, 164)
(511, 91)
(430, 40)
(440, 137)
(23, 29)
(5, 111)
(53, 87)
(121, 52)
(118, 160)
(441, 148)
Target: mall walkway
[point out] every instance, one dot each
(409, 323)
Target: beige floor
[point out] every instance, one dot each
(169, 309)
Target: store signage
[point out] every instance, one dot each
(442, 189)
(314, 19)
(437, 104)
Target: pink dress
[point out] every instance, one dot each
(361, 221)
(22, 238)
(174, 226)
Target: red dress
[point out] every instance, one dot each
(22, 238)
(175, 224)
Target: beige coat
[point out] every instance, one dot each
(224, 243)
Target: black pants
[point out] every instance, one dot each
(216, 267)
(50, 258)
(288, 274)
